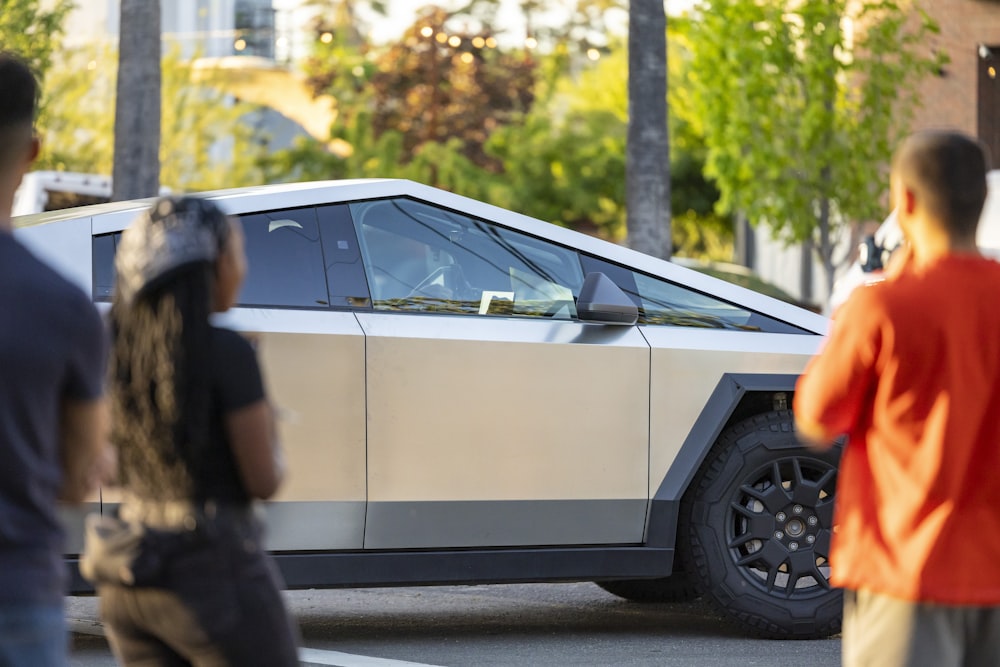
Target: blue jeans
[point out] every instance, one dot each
(33, 635)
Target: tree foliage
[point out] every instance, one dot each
(553, 146)
(32, 29)
(800, 105)
(566, 162)
(208, 139)
(78, 132)
(441, 82)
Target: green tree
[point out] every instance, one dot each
(78, 132)
(209, 140)
(800, 105)
(556, 153)
(566, 162)
(32, 29)
(442, 81)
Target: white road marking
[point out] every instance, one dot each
(308, 656)
(85, 627)
(314, 656)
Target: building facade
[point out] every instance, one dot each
(209, 28)
(965, 95)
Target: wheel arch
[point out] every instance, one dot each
(736, 397)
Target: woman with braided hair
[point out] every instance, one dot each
(197, 445)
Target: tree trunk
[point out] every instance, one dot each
(137, 106)
(647, 159)
(826, 244)
(806, 271)
(746, 242)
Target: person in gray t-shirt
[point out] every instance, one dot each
(53, 418)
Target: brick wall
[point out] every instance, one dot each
(949, 101)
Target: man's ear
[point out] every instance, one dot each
(908, 200)
(35, 150)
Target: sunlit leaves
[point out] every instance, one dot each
(33, 29)
(801, 104)
(208, 139)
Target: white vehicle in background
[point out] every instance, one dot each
(55, 190)
(42, 191)
(874, 252)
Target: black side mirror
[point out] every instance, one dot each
(601, 300)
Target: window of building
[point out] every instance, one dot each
(988, 97)
(254, 24)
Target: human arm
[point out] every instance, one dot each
(256, 448)
(833, 394)
(813, 434)
(86, 455)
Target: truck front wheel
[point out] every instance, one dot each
(758, 519)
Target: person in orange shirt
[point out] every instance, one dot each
(910, 374)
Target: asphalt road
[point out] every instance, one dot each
(554, 625)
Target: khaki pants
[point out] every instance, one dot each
(881, 631)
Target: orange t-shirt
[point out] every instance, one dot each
(911, 373)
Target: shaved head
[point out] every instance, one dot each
(946, 171)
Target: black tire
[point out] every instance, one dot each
(678, 587)
(758, 518)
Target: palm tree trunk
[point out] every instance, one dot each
(647, 159)
(137, 106)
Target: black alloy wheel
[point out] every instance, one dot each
(758, 519)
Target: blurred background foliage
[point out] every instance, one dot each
(536, 125)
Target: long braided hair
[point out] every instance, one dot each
(160, 363)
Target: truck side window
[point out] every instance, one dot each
(104, 265)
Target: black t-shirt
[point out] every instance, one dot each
(52, 348)
(236, 383)
(208, 472)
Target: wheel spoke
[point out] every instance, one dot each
(771, 556)
(803, 564)
(806, 492)
(811, 570)
(772, 576)
(824, 512)
(773, 498)
(820, 578)
(822, 545)
(827, 477)
(760, 526)
(798, 479)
